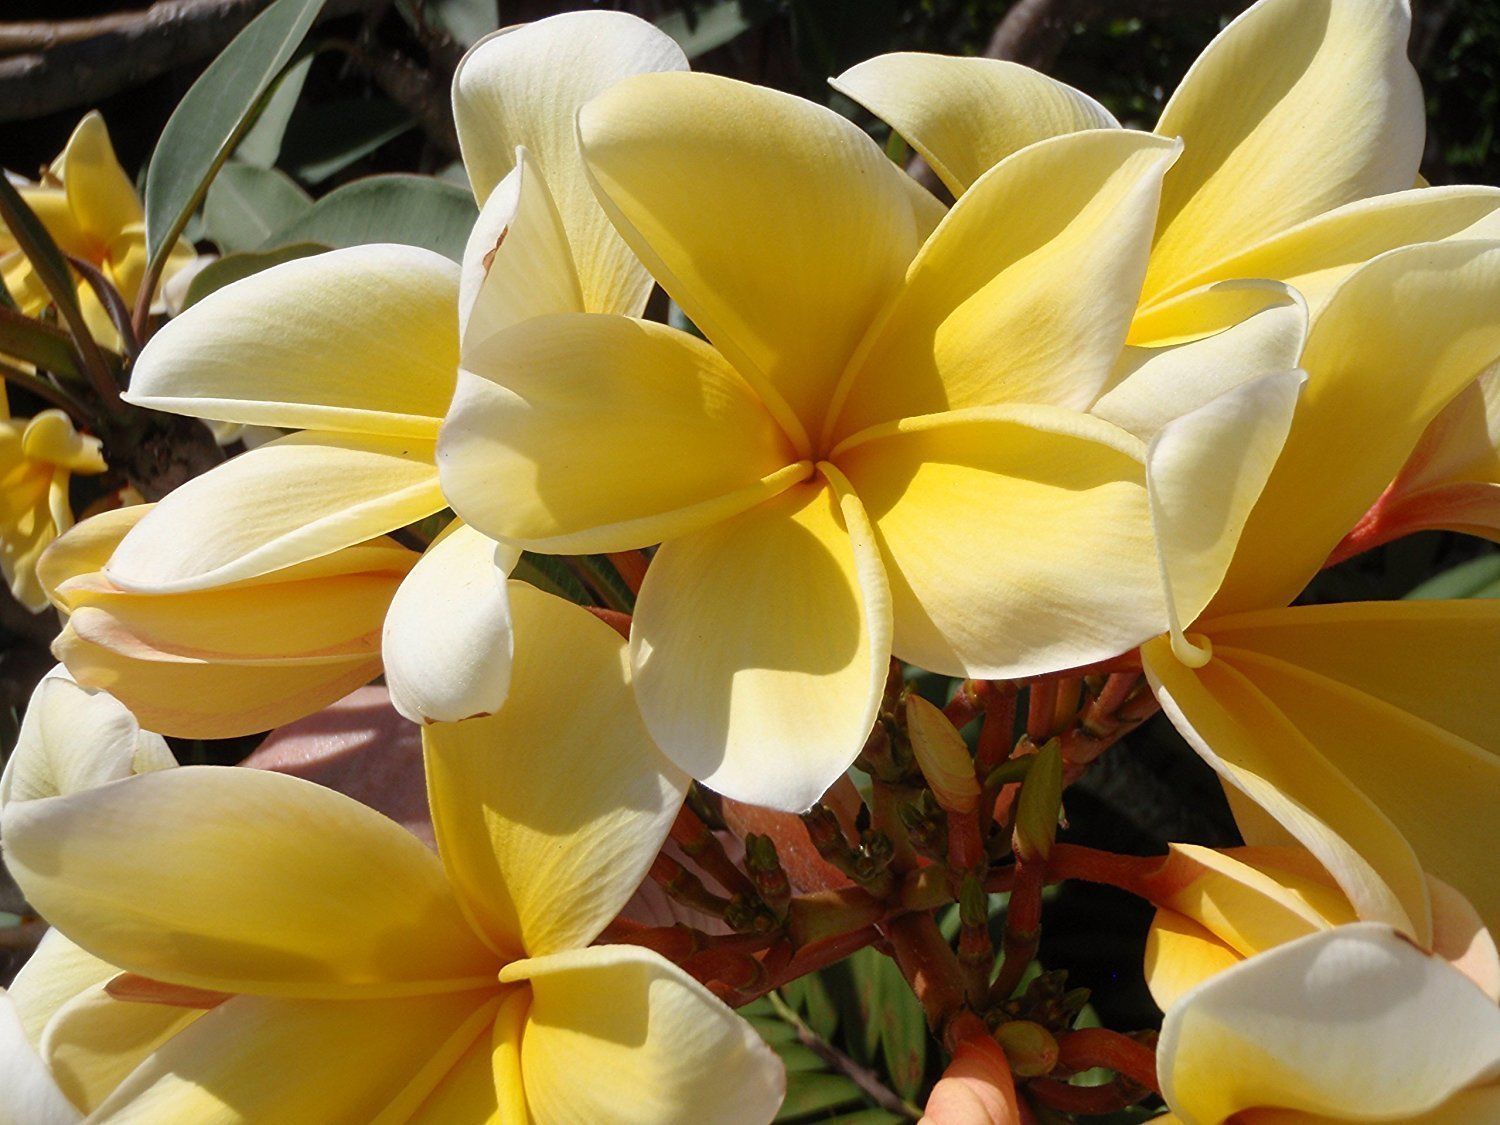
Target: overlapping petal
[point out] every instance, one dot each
(602, 433)
(760, 645)
(1298, 107)
(100, 196)
(992, 310)
(657, 1047)
(1016, 539)
(783, 282)
(362, 340)
(121, 866)
(965, 115)
(281, 504)
(524, 86)
(31, 1095)
(548, 818)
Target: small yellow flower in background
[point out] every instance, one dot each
(37, 458)
(1345, 1025)
(358, 349)
(382, 982)
(882, 448)
(91, 210)
(72, 740)
(225, 660)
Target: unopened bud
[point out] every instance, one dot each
(1029, 1047)
(942, 756)
(973, 903)
(1039, 803)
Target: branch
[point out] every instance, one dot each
(53, 65)
(867, 1080)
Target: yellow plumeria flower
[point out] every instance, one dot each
(358, 350)
(91, 210)
(1303, 127)
(882, 448)
(230, 659)
(1344, 1025)
(374, 980)
(38, 456)
(58, 1065)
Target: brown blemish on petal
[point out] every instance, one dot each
(489, 259)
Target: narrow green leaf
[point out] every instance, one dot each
(38, 343)
(810, 996)
(233, 267)
(262, 144)
(808, 1093)
(215, 114)
(245, 205)
(416, 210)
(549, 573)
(1477, 578)
(894, 1025)
(864, 1117)
(325, 139)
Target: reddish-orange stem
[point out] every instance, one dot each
(704, 849)
(619, 622)
(1041, 710)
(631, 566)
(1088, 1101)
(928, 965)
(1098, 1046)
(1023, 926)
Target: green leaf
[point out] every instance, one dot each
(550, 573)
(1477, 578)
(809, 1093)
(38, 343)
(863, 1117)
(215, 113)
(892, 1018)
(262, 144)
(326, 138)
(466, 20)
(810, 996)
(245, 205)
(708, 29)
(233, 267)
(416, 210)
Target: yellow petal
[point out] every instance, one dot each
(73, 739)
(278, 505)
(1059, 571)
(200, 876)
(50, 437)
(1298, 107)
(524, 86)
(1180, 955)
(56, 972)
(85, 549)
(793, 595)
(100, 195)
(1397, 341)
(548, 818)
(484, 1087)
(601, 433)
(965, 115)
(996, 307)
(783, 282)
(1315, 256)
(447, 641)
(620, 1034)
(1461, 446)
(1204, 472)
(517, 264)
(1459, 937)
(361, 340)
(1265, 330)
(1251, 744)
(1393, 695)
(31, 1094)
(256, 1058)
(1352, 1024)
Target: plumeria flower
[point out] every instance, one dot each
(38, 457)
(358, 349)
(91, 210)
(1343, 1025)
(65, 1042)
(1302, 124)
(883, 444)
(241, 656)
(377, 981)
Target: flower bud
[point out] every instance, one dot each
(942, 756)
(1029, 1047)
(1037, 807)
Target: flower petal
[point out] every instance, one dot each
(620, 1034)
(1397, 341)
(524, 87)
(200, 876)
(288, 501)
(56, 972)
(547, 450)
(447, 642)
(517, 264)
(1298, 107)
(548, 818)
(965, 115)
(1180, 955)
(484, 1087)
(783, 282)
(1326, 1025)
(84, 549)
(1204, 472)
(257, 1058)
(976, 1089)
(31, 1095)
(995, 308)
(1058, 569)
(1243, 735)
(793, 595)
(360, 340)
(1393, 695)
(100, 195)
